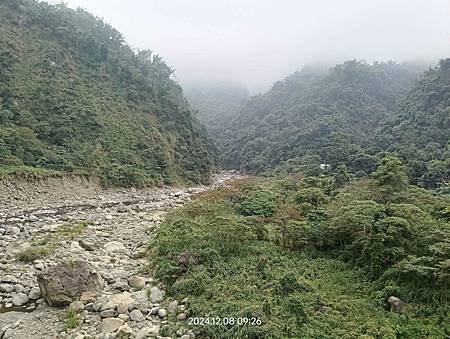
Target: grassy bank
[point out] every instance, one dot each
(272, 249)
(27, 171)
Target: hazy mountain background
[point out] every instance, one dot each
(258, 42)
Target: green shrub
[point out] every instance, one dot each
(277, 268)
(427, 271)
(195, 285)
(310, 197)
(287, 284)
(72, 319)
(296, 309)
(167, 270)
(33, 253)
(259, 202)
(353, 222)
(390, 176)
(294, 234)
(387, 243)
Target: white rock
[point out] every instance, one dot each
(33, 218)
(156, 295)
(34, 294)
(14, 230)
(19, 299)
(124, 317)
(6, 288)
(121, 302)
(182, 316)
(162, 313)
(75, 247)
(115, 247)
(39, 266)
(154, 310)
(137, 282)
(172, 307)
(147, 332)
(9, 279)
(77, 306)
(136, 315)
(110, 325)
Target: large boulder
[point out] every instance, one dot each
(110, 325)
(396, 304)
(121, 301)
(64, 283)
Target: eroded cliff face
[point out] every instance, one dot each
(31, 191)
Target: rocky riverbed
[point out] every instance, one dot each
(41, 227)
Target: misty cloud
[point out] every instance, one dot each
(257, 42)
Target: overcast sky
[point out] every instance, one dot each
(257, 42)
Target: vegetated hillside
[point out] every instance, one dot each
(217, 104)
(75, 97)
(420, 131)
(317, 116)
(312, 257)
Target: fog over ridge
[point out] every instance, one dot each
(257, 42)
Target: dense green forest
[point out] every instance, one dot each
(217, 104)
(419, 132)
(313, 112)
(74, 97)
(351, 115)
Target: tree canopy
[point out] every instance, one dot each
(352, 114)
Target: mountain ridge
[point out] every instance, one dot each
(76, 97)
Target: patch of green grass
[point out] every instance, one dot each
(71, 231)
(45, 246)
(71, 319)
(27, 171)
(33, 253)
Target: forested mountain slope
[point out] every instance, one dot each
(217, 104)
(75, 97)
(420, 130)
(316, 116)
